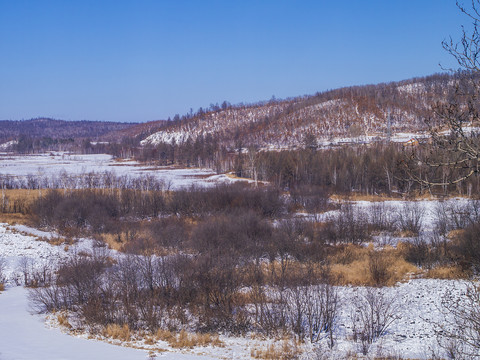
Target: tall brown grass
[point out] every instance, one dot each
(188, 340)
(365, 266)
(118, 332)
(287, 350)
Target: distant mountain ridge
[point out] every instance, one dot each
(58, 129)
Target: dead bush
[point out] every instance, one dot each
(378, 268)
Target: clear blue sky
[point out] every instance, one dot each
(145, 60)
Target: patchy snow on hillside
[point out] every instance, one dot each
(7, 145)
(167, 137)
(413, 88)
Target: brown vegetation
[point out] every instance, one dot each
(287, 350)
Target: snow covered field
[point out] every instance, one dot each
(26, 336)
(54, 164)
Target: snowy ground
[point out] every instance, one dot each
(419, 312)
(54, 164)
(26, 336)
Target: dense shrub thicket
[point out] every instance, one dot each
(235, 258)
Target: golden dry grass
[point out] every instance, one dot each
(25, 194)
(2, 287)
(447, 272)
(353, 266)
(363, 197)
(10, 199)
(455, 234)
(62, 319)
(287, 350)
(118, 332)
(114, 241)
(188, 340)
(14, 219)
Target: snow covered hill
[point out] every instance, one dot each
(359, 114)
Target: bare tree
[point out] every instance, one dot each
(456, 147)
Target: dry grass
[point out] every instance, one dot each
(347, 265)
(287, 350)
(187, 340)
(353, 266)
(62, 319)
(455, 234)
(25, 194)
(448, 272)
(14, 197)
(362, 197)
(118, 332)
(14, 219)
(165, 335)
(2, 287)
(113, 241)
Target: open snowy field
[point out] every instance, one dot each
(26, 336)
(54, 164)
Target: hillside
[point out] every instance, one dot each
(357, 113)
(140, 130)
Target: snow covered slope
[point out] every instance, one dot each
(360, 113)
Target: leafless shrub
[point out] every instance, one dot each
(50, 298)
(458, 333)
(410, 217)
(373, 313)
(418, 251)
(451, 215)
(381, 217)
(312, 311)
(273, 313)
(349, 226)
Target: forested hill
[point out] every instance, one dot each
(351, 114)
(356, 113)
(58, 129)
